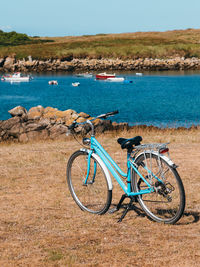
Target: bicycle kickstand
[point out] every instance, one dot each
(128, 207)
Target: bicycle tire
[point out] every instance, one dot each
(95, 196)
(167, 203)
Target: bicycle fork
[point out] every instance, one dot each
(86, 182)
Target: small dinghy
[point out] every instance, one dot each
(116, 79)
(53, 83)
(128, 81)
(75, 84)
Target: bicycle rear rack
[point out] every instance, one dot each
(151, 147)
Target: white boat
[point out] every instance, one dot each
(139, 74)
(116, 79)
(75, 84)
(16, 77)
(86, 75)
(53, 82)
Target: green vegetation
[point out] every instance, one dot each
(182, 43)
(14, 39)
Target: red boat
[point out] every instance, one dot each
(104, 76)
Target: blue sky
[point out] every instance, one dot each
(80, 17)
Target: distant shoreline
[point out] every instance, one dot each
(11, 64)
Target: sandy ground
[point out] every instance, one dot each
(40, 224)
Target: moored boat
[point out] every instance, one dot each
(128, 81)
(16, 77)
(85, 75)
(53, 82)
(116, 79)
(104, 76)
(75, 84)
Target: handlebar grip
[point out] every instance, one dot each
(104, 116)
(112, 113)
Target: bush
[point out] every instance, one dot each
(13, 38)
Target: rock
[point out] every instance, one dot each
(18, 111)
(43, 123)
(81, 119)
(49, 112)
(35, 112)
(84, 115)
(8, 124)
(103, 126)
(9, 62)
(58, 130)
(34, 127)
(97, 64)
(74, 116)
(23, 138)
(37, 135)
(2, 60)
(30, 58)
(69, 122)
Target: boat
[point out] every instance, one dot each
(128, 81)
(104, 76)
(85, 75)
(116, 79)
(75, 84)
(53, 82)
(139, 74)
(16, 77)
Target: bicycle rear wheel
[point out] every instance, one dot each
(94, 196)
(167, 202)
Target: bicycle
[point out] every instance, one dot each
(152, 179)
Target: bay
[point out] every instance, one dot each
(163, 99)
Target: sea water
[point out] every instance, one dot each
(163, 99)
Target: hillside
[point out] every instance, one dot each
(169, 44)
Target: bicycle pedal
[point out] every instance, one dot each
(113, 210)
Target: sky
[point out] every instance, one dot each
(85, 17)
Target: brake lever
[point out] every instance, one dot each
(73, 125)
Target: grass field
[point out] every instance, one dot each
(41, 225)
(183, 43)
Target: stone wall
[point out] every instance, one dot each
(10, 64)
(43, 123)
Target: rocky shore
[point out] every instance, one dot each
(48, 123)
(10, 64)
(39, 123)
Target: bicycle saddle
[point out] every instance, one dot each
(128, 143)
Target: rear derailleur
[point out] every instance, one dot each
(164, 190)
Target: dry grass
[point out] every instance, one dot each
(40, 224)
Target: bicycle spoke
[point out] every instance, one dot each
(94, 195)
(167, 201)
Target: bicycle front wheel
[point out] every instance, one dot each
(167, 202)
(92, 195)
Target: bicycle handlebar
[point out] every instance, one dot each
(102, 116)
(73, 125)
(109, 114)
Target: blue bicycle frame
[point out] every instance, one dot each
(115, 169)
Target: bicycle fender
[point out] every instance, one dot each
(98, 159)
(168, 160)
